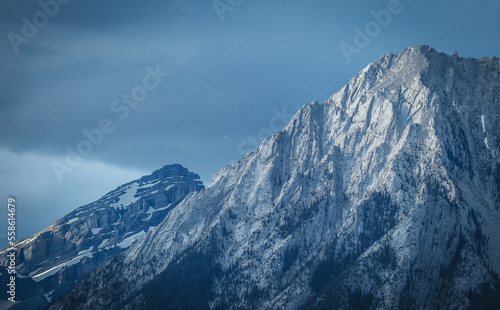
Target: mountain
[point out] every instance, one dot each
(53, 260)
(385, 196)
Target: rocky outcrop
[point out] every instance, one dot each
(55, 259)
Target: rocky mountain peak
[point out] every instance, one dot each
(52, 261)
(379, 198)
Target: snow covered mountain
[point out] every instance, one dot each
(53, 260)
(385, 196)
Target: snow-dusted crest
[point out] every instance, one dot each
(56, 258)
(381, 197)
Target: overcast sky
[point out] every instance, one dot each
(192, 82)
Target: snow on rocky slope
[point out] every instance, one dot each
(384, 196)
(53, 260)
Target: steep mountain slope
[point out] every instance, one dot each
(384, 196)
(53, 260)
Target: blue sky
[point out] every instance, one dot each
(237, 70)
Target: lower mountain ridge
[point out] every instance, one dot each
(52, 261)
(385, 196)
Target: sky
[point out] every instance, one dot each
(95, 94)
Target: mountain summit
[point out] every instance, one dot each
(385, 196)
(53, 260)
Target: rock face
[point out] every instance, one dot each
(53, 260)
(385, 196)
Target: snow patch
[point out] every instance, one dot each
(34, 272)
(150, 213)
(95, 231)
(25, 241)
(52, 271)
(128, 242)
(72, 220)
(48, 296)
(127, 198)
(103, 243)
(148, 185)
(152, 210)
(86, 251)
(119, 219)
